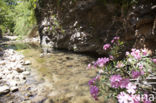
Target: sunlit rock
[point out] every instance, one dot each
(14, 89)
(4, 89)
(27, 62)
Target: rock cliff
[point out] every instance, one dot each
(86, 25)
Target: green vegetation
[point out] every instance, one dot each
(17, 16)
(24, 18)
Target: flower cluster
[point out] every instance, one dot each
(136, 73)
(117, 81)
(99, 63)
(115, 39)
(117, 75)
(137, 54)
(94, 90)
(124, 97)
(128, 96)
(106, 46)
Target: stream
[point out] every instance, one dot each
(58, 77)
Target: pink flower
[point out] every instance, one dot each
(94, 90)
(142, 72)
(135, 99)
(119, 65)
(136, 54)
(123, 97)
(154, 60)
(116, 38)
(133, 49)
(124, 83)
(92, 81)
(112, 41)
(136, 74)
(115, 78)
(106, 46)
(127, 53)
(131, 88)
(101, 62)
(111, 57)
(144, 52)
(115, 81)
(89, 66)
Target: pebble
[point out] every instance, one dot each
(27, 62)
(41, 55)
(19, 70)
(13, 83)
(12, 71)
(4, 89)
(2, 63)
(14, 89)
(26, 73)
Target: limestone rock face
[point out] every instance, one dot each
(85, 26)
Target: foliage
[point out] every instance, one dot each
(17, 16)
(123, 80)
(24, 17)
(5, 20)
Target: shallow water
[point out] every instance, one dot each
(60, 76)
(66, 73)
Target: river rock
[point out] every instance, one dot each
(13, 83)
(4, 90)
(1, 75)
(26, 73)
(19, 70)
(14, 89)
(41, 55)
(27, 62)
(2, 62)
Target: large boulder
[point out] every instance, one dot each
(85, 26)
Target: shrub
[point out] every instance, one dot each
(122, 80)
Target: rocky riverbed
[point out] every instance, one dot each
(58, 77)
(13, 71)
